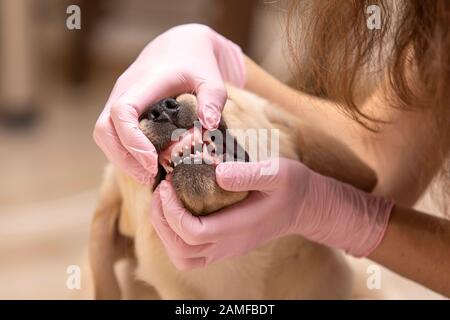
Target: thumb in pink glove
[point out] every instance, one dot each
(294, 200)
(187, 58)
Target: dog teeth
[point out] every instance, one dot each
(194, 152)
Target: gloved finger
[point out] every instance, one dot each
(248, 176)
(190, 228)
(231, 62)
(175, 246)
(187, 264)
(229, 222)
(211, 229)
(180, 257)
(106, 138)
(211, 98)
(130, 105)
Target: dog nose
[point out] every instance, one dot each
(164, 111)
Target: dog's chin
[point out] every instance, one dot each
(197, 188)
(191, 171)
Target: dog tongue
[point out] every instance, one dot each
(181, 150)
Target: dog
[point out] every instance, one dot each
(290, 267)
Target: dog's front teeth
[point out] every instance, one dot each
(177, 163)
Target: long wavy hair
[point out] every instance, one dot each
(333, 49)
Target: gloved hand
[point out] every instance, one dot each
(294, 200)
(187, 58)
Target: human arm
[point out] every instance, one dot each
(417, 246)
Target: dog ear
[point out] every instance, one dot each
(106, 244)
(330, 157)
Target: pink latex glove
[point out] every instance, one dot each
(294, 200)
(187, 58)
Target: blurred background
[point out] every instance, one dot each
(53, 84)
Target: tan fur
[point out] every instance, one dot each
(286, 268)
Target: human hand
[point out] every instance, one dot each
(187, 58)
(293, 200)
